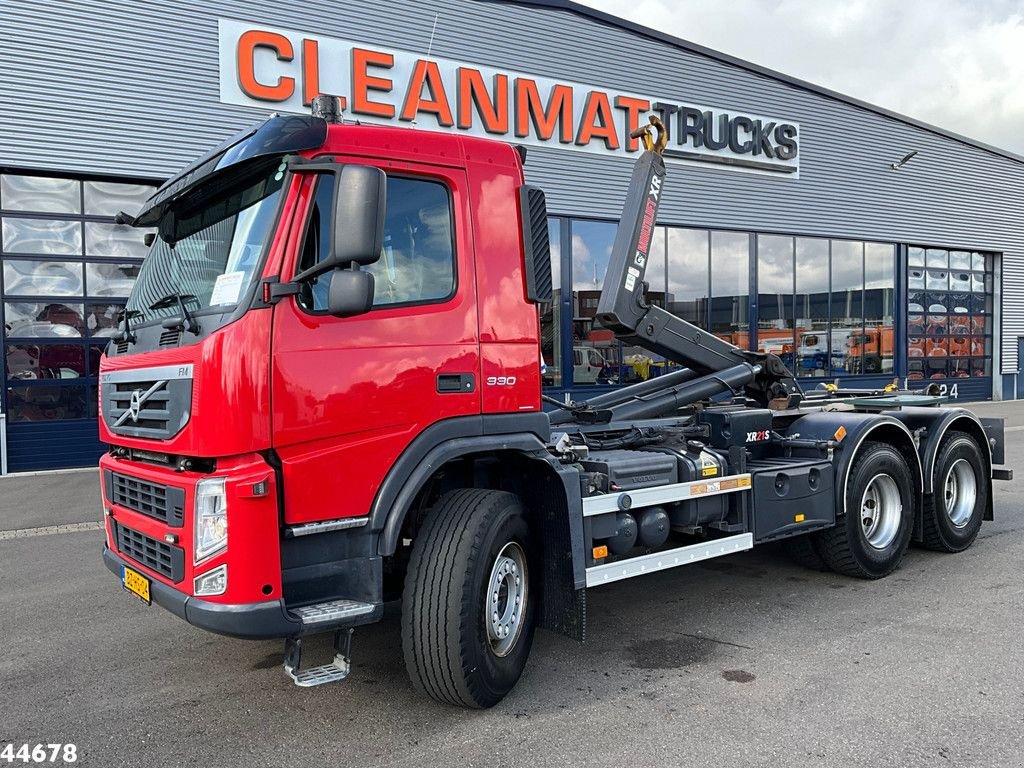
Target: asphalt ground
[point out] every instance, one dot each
(747, 660)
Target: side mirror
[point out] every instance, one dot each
(350, 293)
(360, 201)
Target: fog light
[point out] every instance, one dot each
(213, 583)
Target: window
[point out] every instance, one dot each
(591, 247)
(775, 276)
(811, 308)
(949, 317)
(417, 263)
(730, 279)
(551, 314)
(60, 248)
(688, 253)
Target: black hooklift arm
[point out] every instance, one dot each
(623, 307)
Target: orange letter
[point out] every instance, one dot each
(558, 110)
(473, 92)
(282, 48)
(634, 108)
(597, 121)
(362, 82)
(310, 71)
(426, 73)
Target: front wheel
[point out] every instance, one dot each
(467, 608)
(869, 541)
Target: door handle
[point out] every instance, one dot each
(452, 383)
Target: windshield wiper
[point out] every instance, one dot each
(186, 320)
(125, 333)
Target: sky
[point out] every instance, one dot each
(958, 64)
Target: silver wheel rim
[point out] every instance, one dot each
(505, 604)
(960, 492)
(881, 509)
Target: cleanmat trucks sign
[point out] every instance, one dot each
(265, 67)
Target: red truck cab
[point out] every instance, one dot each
(252, 431)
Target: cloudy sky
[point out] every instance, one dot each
(958, 64)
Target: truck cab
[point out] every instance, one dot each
(269, 413)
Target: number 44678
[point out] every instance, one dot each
(39, 753)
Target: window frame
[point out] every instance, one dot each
(307, 219)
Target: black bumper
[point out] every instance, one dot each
(253, 621)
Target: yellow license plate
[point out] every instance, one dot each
(135, 583)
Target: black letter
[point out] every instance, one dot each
(665, 111)
(785, 136)
(740, 148)
(709, 131)
(763, 139)
(696, 130)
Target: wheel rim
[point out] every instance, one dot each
(505, 604)
(881, 509)
(961, 492)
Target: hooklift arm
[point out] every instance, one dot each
(623, 307)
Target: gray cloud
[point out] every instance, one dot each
(958, 64)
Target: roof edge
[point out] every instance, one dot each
(686, 45)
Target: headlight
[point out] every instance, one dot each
(213, 583)
(211, 524)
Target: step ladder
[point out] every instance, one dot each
(333, 672)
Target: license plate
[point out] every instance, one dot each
(135, 583)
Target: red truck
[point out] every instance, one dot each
(325, 394)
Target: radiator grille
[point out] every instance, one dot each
(157, 501)
(158, 556)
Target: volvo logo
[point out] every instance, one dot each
(139, 398)
(135, 405)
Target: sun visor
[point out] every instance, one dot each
(276, 136)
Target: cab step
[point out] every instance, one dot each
(331, 612)
(333, 672)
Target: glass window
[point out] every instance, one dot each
(115, 240)
(42, 236)
(49, 401)
(775, 295)
(28, 362)
(730, 278)
(42, 278)
(38, 320)
(551, 314)
(591, 247)
(948, 328)
(418, 260)
(876, 353)
(811, 311)
(102, 320)
(40, 194)
(107, 198)
(688, 254)
(847, 323)
(111, 279)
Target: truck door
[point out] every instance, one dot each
(350, 394)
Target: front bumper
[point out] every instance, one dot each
(253, 621)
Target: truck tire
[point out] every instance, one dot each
(870, 539)
(953, 513)
(468, 608)
(803, 551)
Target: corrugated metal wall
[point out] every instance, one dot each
(111, 87)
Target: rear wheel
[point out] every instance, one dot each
(869, 541)
(468, 609)
(952, 517)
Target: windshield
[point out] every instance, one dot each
(207, 249)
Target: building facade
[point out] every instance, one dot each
(855, 243)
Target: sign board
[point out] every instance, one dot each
(267, 67)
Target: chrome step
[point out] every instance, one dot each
(331, 612)
(334, 672)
